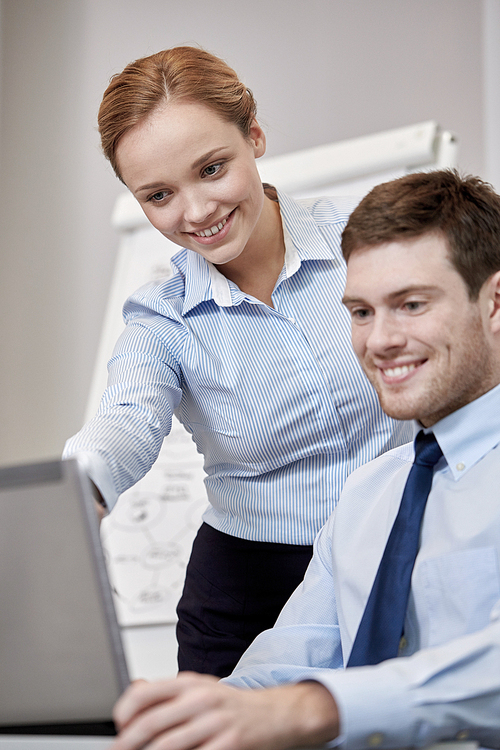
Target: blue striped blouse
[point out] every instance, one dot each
(275, 399)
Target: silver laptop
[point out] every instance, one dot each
(61, 656)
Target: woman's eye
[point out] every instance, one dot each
(212, 169)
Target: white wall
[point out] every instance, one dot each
(491, 71)
(321, 71)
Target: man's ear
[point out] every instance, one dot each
(494, 302)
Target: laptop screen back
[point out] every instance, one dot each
(60, 647)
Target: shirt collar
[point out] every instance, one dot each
(299, 223)
(196, 274)
(203, 282)
(226, 293)
(468, 434)
(303, 241)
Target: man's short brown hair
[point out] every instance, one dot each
(465, 210)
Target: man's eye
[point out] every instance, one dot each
(158, 197)
(360, 314)
(413, 305)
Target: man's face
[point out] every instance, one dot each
(426, 348)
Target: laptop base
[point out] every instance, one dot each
(97, 728)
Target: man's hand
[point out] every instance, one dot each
(196, 711)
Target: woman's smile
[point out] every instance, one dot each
(215, 233)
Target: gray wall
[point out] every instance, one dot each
(321, 71)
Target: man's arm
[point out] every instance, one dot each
(306, 635)
(442, 693)
(197, 711)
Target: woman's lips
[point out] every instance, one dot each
(213, 230)
(215, 233)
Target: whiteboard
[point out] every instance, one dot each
(148, 536)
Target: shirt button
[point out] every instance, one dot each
(375, 739)
(403, 643)
(460, 466)
(463, 735)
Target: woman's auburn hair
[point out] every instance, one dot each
(181, 73)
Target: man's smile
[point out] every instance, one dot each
(398, 372)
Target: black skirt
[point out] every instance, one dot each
(235, 588)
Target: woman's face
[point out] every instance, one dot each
(195, 176)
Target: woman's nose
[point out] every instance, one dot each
(198, 208)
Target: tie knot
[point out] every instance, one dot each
(427, 450)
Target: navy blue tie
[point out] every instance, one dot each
(382, 624)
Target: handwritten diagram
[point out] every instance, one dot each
(147, 538)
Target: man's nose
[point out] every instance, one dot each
(386, 333)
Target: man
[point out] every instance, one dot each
(423, 292)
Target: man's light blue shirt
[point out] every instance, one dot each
(446, 681)
(274, 397)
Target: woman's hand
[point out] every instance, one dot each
(197, 711)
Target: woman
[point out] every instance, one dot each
(248, 344)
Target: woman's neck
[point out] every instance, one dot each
(258, 267)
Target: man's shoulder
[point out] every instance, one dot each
(380, 470)
(370, 494)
